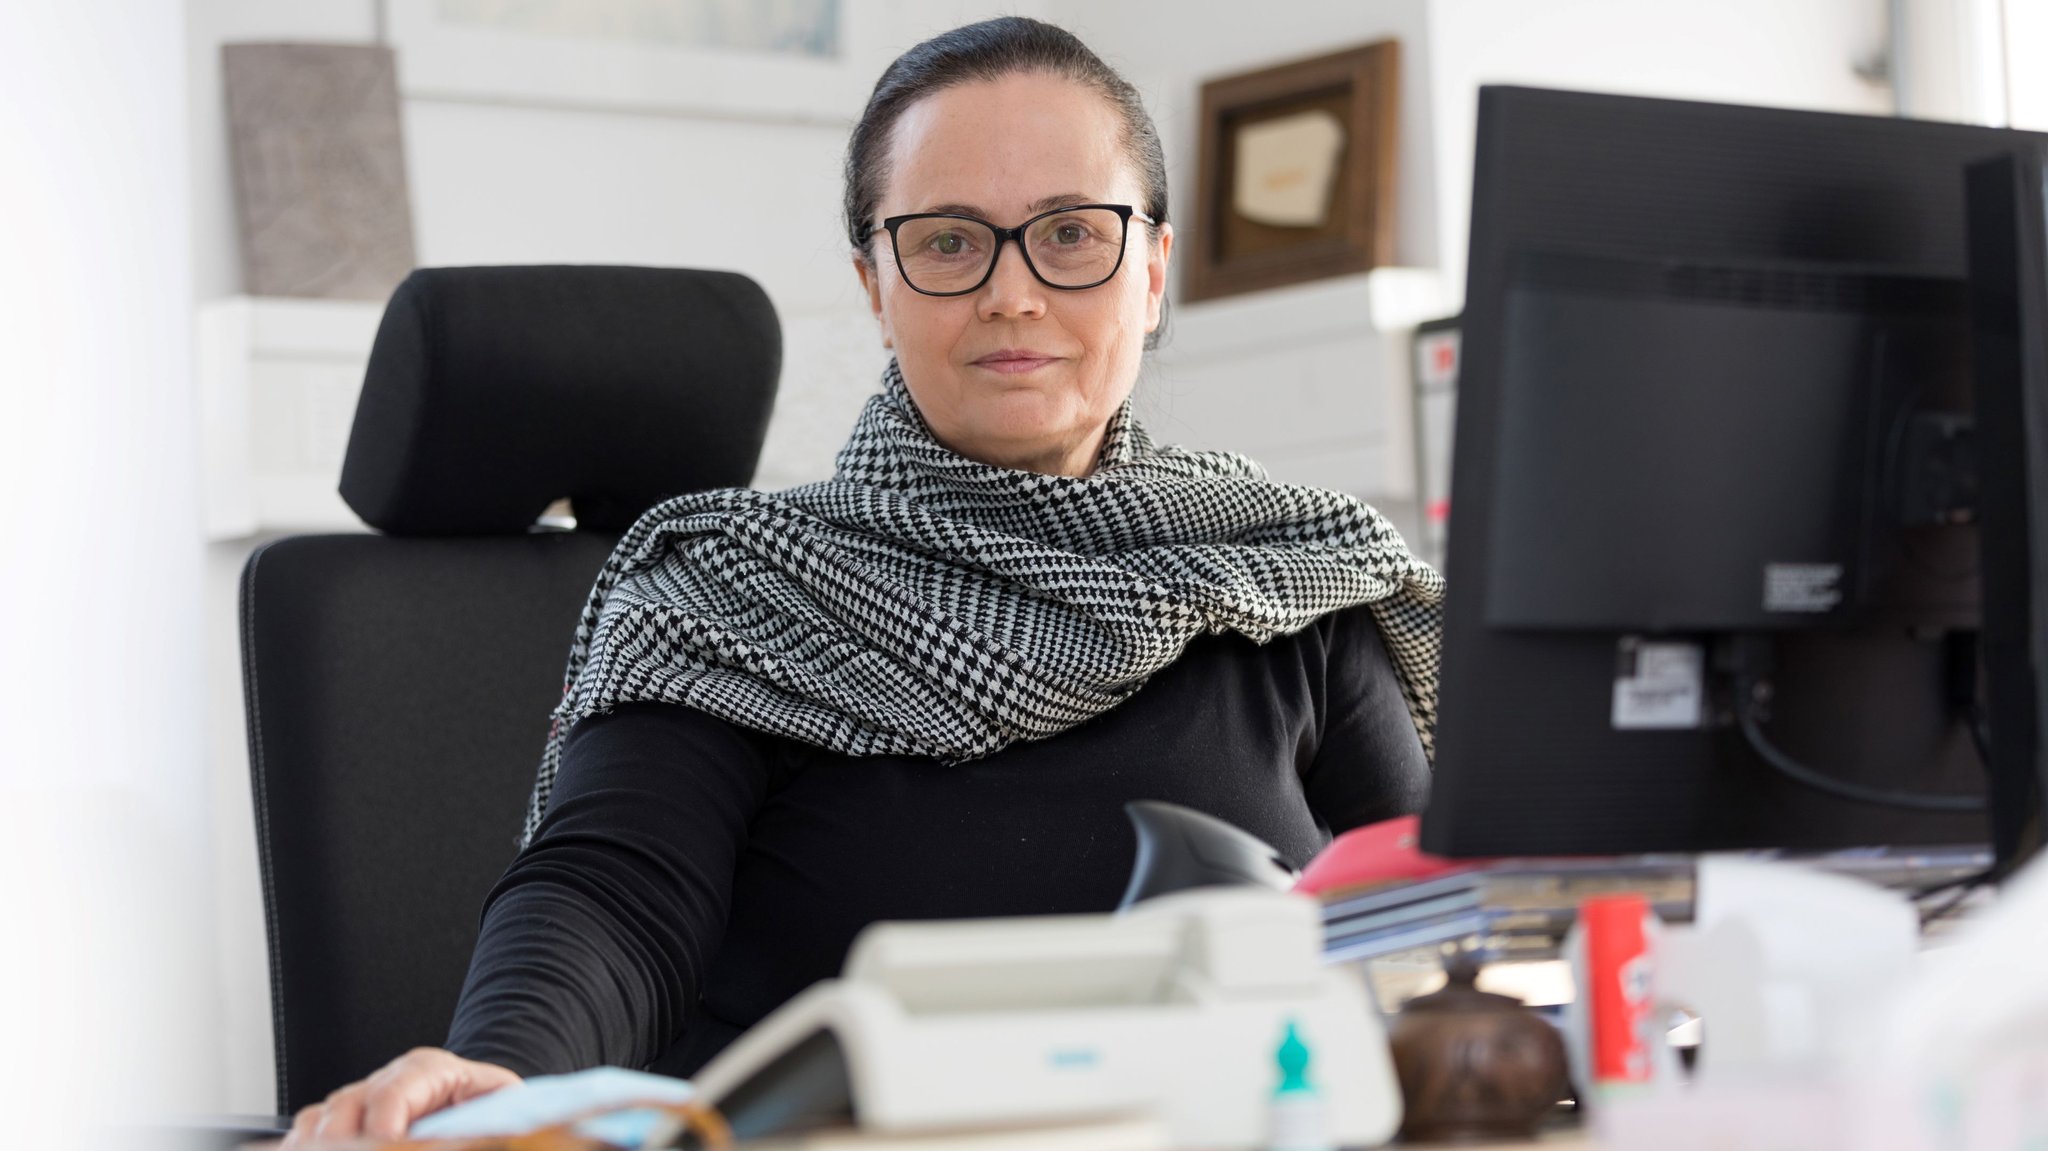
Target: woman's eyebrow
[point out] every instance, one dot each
(1045, 204)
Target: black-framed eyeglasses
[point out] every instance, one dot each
(1074, 248)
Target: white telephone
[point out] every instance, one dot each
(1171, 1010)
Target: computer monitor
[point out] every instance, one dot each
(1714, 486)
(2008, 236)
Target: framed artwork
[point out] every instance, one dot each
(1296, 175)
(803, 61)
(319, 167)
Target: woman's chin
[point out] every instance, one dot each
(1018, 421)
(1042, 446)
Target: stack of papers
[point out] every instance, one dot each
(1520, 909)
(1510, 909)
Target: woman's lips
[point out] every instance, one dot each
(1013, 365)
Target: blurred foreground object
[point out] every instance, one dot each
(547, 1099)
(1788, 967)
(1615, 1042)
(1959, 1056)
(1168, 1011)
(648, 1125)
(1475, 1065)
(1951, 1058)
(1180, 848)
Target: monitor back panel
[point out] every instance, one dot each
(1619, 219)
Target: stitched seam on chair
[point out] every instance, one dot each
(262, 804)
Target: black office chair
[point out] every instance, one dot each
(398, 685)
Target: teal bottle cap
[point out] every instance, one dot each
(1293, 1058)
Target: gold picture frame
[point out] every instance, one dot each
(1296, 176)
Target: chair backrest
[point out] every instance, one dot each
(398, 685)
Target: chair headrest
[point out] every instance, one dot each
(493, 392)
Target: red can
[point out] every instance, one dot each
(1619, 987)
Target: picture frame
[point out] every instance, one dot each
(486, 51)
(1296, 171)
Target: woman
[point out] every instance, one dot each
(927, 687)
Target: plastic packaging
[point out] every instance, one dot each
(1613, 1037)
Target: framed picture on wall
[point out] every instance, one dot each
(1296, 172)
(791, 60)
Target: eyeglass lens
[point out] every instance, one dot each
(1077, 248)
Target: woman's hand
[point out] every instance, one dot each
(419, 1082)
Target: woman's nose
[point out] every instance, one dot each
(1011, 290)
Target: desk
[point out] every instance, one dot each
(200, 1132)
(1573, 1139)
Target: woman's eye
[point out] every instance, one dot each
(948, 244)
(1070, 234)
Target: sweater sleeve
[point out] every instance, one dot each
(593, 946)
(1369, 764)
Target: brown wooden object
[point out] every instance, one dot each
(1231, 253)
(1474, 1065)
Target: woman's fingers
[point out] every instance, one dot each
(343, 1114)
(303, 1124)
(420, 1082)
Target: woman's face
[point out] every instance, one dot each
(1015, 373)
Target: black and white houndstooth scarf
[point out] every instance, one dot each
(921, 603)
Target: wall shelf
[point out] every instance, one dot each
(1311, 380)
(278, 381)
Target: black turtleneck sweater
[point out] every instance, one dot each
(692, 875)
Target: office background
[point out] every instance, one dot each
(128, 876)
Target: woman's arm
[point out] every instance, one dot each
(1369, 764)
(595, 942)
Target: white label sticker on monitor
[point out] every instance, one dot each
(1802, 587)
(1658, 685)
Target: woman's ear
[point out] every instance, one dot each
(871, 283)
(1156, 260)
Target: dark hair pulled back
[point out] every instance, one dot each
(991, 50)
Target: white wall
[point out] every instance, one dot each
(1953, 63)
(2026, 47)
(106, 996)
(1792, 55)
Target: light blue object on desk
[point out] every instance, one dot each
(548, 1099)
